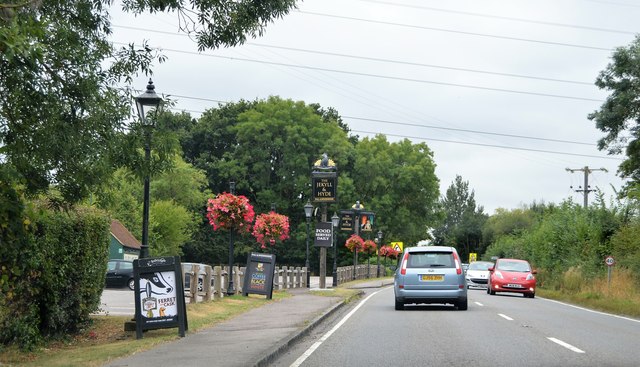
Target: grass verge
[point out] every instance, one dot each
(105, 340)
(618, 295)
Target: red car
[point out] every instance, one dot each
(512, 275)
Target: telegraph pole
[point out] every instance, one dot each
(585, 190)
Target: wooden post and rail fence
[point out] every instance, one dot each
(284, 277)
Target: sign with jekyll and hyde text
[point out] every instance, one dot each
(324, 186)
(347, 218)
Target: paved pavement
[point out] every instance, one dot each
(254, 338)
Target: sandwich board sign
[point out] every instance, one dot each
(258, 277)
(159, 294)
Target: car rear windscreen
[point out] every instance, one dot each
(430, 260)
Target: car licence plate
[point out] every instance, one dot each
(513, 285)
(432, 277)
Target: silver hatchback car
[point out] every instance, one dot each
(431, 274)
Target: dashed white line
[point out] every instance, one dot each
(505, 317)
(479, 304)
(566, 345)
(326, 336)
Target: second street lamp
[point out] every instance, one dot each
(146, 104)
(335, 221)
(308, 211)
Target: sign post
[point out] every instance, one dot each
(610, 261)
(324, 183)
(159, 294)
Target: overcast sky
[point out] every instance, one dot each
(499, 90)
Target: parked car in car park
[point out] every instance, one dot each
(430, 274)
(512, 275)
(478, 274)
(188, 271)
(120, 274)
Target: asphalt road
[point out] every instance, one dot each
(501, 330)
(117, 302)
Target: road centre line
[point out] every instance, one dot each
(505, 317)
(566, 345)
(326, 336)
(479, 304)
(592, 311)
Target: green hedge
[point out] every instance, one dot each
(53, 269)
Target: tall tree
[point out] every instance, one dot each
(61, 104)
(462, 220)
(268, 148)
(619, 115)
(398, 182)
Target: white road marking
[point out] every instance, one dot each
(592, 311)
(326, 336)
(505, 317)
(566, 345)
(479, 304)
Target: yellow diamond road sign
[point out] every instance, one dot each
(398, 246)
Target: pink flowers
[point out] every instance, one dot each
(229, 211)
(369, 247)
(271, 226)
(388, 251)
(355, 243)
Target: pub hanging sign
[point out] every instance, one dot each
(324, 186)
(346, 220)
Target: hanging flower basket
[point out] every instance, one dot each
(355, 243)
(388, 251)
(229, 211)
(369, 247)
(269, 227)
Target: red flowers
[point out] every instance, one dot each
(388, 251)
(355, 243)
(228, 211)
(370, 247)
(270, 226)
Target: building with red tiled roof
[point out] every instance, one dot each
(123, 245)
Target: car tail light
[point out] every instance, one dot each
(457, 261)
(403, 269)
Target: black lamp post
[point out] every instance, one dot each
(335, 221)
(230, 290)
(308, 210)
(379, 238)
(147, 103)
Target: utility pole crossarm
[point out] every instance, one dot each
(585, 191)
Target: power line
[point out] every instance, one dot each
(451, 141)
(597, 29)
(490, 145)
(401, 62)
(468, 131)
(388, 77)
(455, 31)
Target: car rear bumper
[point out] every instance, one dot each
(438, 296)
(481, 283)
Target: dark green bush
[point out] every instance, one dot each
(53, 268)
